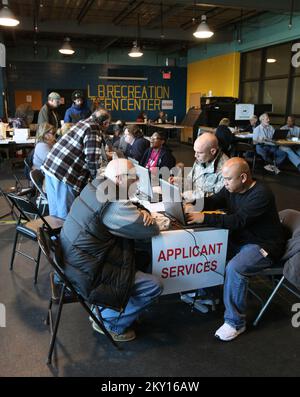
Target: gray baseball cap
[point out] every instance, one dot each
(54, 95)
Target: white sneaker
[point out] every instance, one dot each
(190, 301)
(227, 332)
(269, 167)
(276, 169)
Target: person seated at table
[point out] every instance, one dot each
(253, 123)
(45, 141)
(161, 118)
(256, 238)
(136, 143)
(205, 177)
(65, 128)
(142, 117)
(225, 136)
(23, 116)
(118, 140)
(103, 263)
(293, 153)
(158, 155)
(271, 153)
(79, 109)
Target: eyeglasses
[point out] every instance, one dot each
(155, 138)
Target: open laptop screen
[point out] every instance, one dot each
(144, 182)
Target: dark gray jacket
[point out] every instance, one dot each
(98, 247)
(291, 258)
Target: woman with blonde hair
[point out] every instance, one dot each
(45, 138)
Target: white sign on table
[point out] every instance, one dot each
(167, 104)
(186, 260)
(243, 111)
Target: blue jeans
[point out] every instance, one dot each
(270, 153)
(247, 261)
(293, 154)
(145, 289)
(60, 197)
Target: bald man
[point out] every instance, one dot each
(205, 178)
(256, 237)
(99, 238)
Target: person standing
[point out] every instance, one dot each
(73, 160)
(79, 109)
(48, 113)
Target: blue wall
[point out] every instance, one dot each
(60, 75)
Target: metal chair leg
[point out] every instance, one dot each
(53, 337)
(268, 302)
(47, 321)
(99, 323)
(37, 265)
(14, 251)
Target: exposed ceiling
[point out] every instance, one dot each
(165, 25)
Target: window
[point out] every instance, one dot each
(250, 92)
(252, 62)
(296, 96)
(275, 92)
(282, 56)
(265, 82)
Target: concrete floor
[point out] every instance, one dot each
(172, 340)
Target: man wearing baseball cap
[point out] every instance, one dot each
(79, 109)
(49, 113)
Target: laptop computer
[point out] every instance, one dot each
(174, 207)
(144, 182)
(280, 134)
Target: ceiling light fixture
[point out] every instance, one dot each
(203, 30)
(135, 51)
(66, 48)
(7, 18)
(271, 60)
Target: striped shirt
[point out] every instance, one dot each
(76, 157)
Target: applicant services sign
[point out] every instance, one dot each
(189, 259)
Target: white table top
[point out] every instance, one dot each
(8, 140)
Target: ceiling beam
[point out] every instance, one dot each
(270, 5)
(129, 9)
(87, 5)
(107, 42)
(71, 28)
(167, 13)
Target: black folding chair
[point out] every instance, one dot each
(19, 189)
(50, 245)
(37, 178)
(291, 221)
(28, 227)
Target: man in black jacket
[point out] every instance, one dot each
(98, 241)
(256, 237)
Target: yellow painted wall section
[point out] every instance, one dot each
(220, 74)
